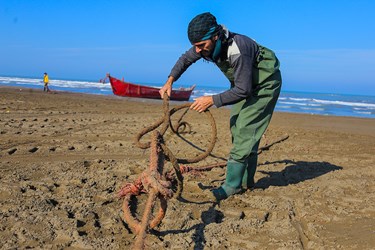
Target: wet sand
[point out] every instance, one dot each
(64, 156)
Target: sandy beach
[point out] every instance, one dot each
(64, 157)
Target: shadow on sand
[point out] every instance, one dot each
(212, 215)
(294, 173)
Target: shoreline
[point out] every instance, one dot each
(64, 157)
(172, 102)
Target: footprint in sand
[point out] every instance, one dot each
(12, 151)
(33, 150)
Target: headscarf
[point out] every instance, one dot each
(202, 27)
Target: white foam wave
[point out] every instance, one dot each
(295, 103)
(18, 79)
(308, 108)
(209, 93)
(352, 104)
(283, 107)
(59, 83)
(299, 99)
(302, 104)
(363, 112)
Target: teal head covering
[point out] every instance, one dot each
(202, 27)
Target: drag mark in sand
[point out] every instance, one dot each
(304, 240)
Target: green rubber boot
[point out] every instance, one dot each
(248, 176)
(233, 180)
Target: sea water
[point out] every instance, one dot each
(293, 102)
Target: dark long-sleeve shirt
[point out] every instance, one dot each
(236, 61)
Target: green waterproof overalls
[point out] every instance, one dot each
(249, 120)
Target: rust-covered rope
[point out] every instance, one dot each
(154, 181)
(166, 123)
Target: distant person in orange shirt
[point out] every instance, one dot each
(46, 82)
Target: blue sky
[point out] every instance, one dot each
(323, 45)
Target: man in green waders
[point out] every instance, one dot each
(255, 78)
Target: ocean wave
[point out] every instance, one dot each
(364, 112)
(309, 108)
(352, 104)
(18, 79)
(283, 107)
(294, 103)
(297, 102)
(58, 83)
(301, 104)
(299, 99)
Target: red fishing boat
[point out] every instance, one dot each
(122, 88)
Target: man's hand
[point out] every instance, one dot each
(167, 87)
(202, 103)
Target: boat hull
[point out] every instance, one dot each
(122, 88)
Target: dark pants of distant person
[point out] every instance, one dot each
(46, 87)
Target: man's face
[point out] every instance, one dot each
(204, 47)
